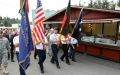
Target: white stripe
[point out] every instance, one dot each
(39, 8)
(38, 32)
(39, 18)
(42, 33)
(35, 35)
(42, 26)
(39, 13)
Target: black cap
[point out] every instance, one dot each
(55, 28)
(1, 32)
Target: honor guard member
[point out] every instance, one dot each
(48, 48)
(41, 52)
(54, 39)
(4, 50)
(73, 45)
(16, 44)
(65, 46)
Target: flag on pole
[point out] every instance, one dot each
(77, 29)
(21, 6)
(38, 30)
(25, 38)
(27, 6)
(65, 25)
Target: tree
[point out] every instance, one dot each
(112, 5)
(118, 3)
(91, 4)
(8, 21)
(0, 18)
(103, 4)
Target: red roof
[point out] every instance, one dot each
(92, 15)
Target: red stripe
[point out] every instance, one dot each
(41, 32)
(35, 37)
(39, 26)
(39, 15)
(42, 27)
(39, 20)
(39, 10)
(64, 21)
(37, 34)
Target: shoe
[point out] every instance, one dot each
(61, 59)
(50, 55)
(58, 67)
(12, 61)
(0, 67)
(52, 62)
(42, 71)
(68, 63)
(5, 72)
(74, 60)
(35, 58)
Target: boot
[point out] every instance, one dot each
(0, 67)
(5, 71)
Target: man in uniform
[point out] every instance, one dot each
(48, 48)
(16, 44)
(41, 52)
(65, 46)
(54, 39)
(10, 38)
(4, 50)
(73, 45)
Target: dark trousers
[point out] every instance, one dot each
(22, 72)
(11, 53)
(42, 57)
(55, 52)
(35, 53)
(65, 48)
(72, 51)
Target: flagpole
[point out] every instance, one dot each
(77, 19)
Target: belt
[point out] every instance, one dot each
(17, 52)
(54, 44)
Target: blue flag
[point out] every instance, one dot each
(25, 39)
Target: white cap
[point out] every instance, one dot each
(51, 29)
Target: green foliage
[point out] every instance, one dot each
(118, 3)
(102, 4)
(6, 21)
(91, 4)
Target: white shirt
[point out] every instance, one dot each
(40, 46)
(63, 39)
(73, 41)
(16, 40)
(54, 37)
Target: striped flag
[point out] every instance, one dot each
(66, 21)
(38, 30)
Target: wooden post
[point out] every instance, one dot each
(117, 29)
(103, 29)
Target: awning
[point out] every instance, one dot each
(87, 21)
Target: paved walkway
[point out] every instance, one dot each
(85, 65)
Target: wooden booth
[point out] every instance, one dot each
(100, 30)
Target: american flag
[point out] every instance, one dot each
(38, 30)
